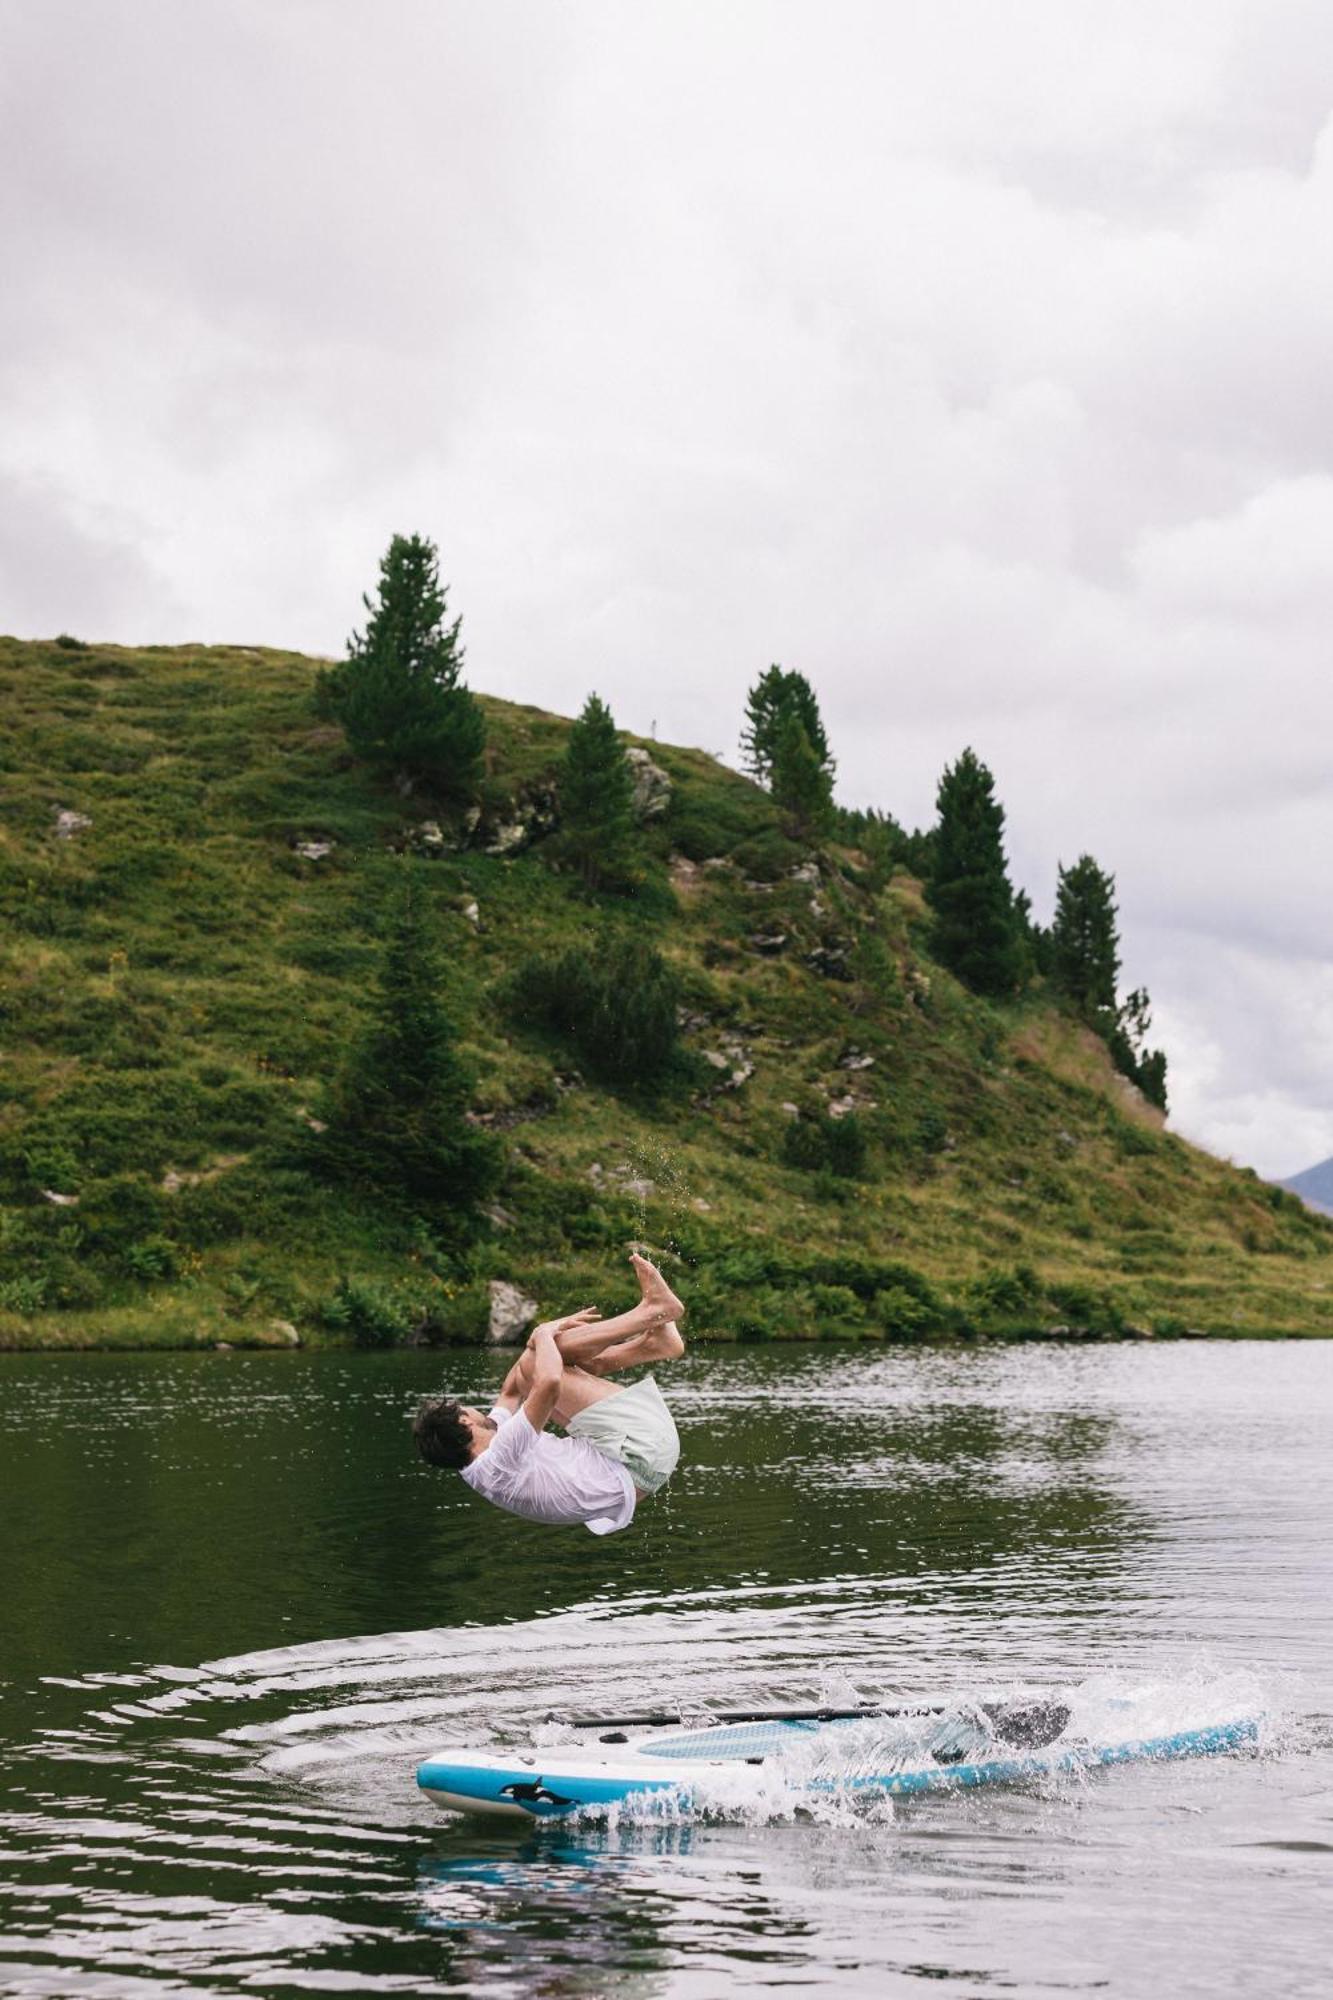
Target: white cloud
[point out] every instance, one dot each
(969, 357)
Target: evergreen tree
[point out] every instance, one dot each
(801, 781)
(1035, 938)
(1143, 1066)
(1085, 945)
(775, 697)
(596, 790)
(397, 1115)
(1083, 958)
(398, 694)
(976, 925)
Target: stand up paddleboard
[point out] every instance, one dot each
(895, 1751)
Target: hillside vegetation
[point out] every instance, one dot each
(194, 875)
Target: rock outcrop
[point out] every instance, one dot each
(512, 1313)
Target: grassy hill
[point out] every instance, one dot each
(193, 876)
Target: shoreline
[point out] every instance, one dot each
(249, 1342)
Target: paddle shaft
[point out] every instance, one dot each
(726, 1716)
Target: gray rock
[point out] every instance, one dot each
(507, 838)
(716, 1058)
(68, 823)
(855, 1060)
(652, 786)
(315, 850)
(60, 1200)
(805, 871)
(640, 1189)
(512, 1313)
(533, 814)
(769, 943)
(285, 1331)
(472, 913)
(830, 961)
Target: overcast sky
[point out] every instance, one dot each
(970, 356)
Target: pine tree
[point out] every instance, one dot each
(1085, 944)
(976, 925)
(1143, 1066)
(398, 694)
(776, 696)
(801, 781)
(596, 790)
(397, 1112)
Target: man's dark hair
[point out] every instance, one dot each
(442, 1436)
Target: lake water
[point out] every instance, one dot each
(234, 1613)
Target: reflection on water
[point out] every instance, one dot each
(208, 1782)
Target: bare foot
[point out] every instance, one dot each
(657, 1293)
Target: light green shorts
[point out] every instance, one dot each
(636, 1427)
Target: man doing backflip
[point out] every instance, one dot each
(620, 1443)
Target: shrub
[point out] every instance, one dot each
(932, 1129)
(617, 1006)
(766, 856)
(416, 1312)
(69, 644)
(1092, 1311)
(373, 1314)
(908, 1315)
(1006, 1293)
(119, 1211)
(155, 1257)
(51, 1165)
(837, 1308)
(22, 1295)
(823, 1144)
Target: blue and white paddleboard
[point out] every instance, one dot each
(676, 1770)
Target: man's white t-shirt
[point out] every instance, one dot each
(559, 1480)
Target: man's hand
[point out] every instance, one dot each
(565, 1325)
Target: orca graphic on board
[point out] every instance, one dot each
(532, 1792)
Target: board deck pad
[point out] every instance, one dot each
(889, 1752)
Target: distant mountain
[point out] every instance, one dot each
(1314, 1186)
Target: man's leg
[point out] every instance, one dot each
(578, 1388)
(647, 1332)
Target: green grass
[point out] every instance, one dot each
(177, 985)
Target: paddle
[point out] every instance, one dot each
(1023, 1725)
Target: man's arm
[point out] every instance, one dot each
(514, 1387)
(547, 1371)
